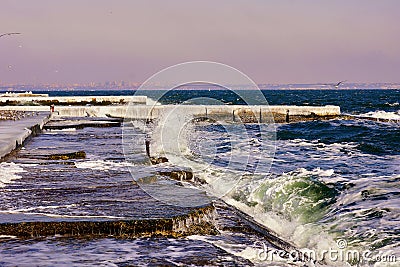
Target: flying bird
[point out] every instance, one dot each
(339, 83)
(9, 33)
(335, 85)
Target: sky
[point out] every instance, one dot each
(272, 41)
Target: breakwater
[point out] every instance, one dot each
(228, 113)
(14, 133)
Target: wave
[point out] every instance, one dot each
(39, 208)
(298, 196)
(299, 205)
(394, 104)
(8, 172)
(369, 211)
(380, 114)
(291, 205)
(311, 195)
(333, 147)
(102, 165)
(304, 208)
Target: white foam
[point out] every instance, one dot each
(392, 104)
(39, 208)
(382, 115)
(249, 252)
(316, 171)
(102, 165)
(8, 172)
(334, 147)
(61, 130)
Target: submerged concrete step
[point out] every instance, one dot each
(198, 221)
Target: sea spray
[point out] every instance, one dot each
(175, 136)
(170, 134)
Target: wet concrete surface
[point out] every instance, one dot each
(95, 193)
(14, 132)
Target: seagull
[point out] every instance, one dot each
(339, 83)
(336, 85)
(9, 33)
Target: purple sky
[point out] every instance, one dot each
(272, 41)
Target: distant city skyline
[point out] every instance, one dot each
(272, 41)
(126, 85)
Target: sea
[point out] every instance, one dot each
(329, 187)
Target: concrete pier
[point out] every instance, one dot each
(14, 133)
(228, 113)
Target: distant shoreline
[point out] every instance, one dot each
(203, 86)
(40, 89)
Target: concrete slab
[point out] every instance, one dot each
(14, 133)
(229, 112)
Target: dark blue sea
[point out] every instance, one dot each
(324, 186)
